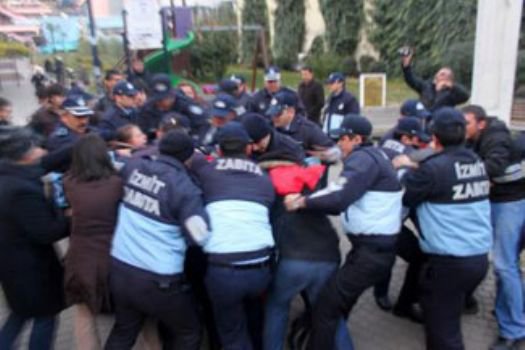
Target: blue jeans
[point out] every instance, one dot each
(42, 334)
(508, 219)
(291, 278)
(236, 296)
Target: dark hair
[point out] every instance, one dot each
(55, 90)
(91, 161)
(4, 102)
(110, 73)
(41, 93)
(124, 133)
(450, 135)
(478, 112)
(233, 148)
(307, 68)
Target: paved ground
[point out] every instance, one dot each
(371, 328)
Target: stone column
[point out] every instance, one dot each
(495, 56)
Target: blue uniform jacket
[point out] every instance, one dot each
(159, 198)
(450, 193)
(307, 133)
(238, 196)
(337, 106)
(367, 193)
(115, 118)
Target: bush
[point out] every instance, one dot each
(211, 55)
(369, 64)
(460, 57)
(343, 20)
(349, 67)
(12, 49)
(317, 47)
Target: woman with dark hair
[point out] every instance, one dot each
(93, 190)
(129, 139)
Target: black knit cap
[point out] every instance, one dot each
(177, 144)
(256, 125)
(15, 141)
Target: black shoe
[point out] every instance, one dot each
(384, 303)
(471, 306)
(508, 344)
(411, 312)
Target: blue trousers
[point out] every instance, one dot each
(291, 278)
(508, 220)
(42, 334)
(236, 295)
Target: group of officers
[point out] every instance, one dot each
(246, 180)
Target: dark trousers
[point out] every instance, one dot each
(139, 294)
(236, 295)
(42, 334)
(444, 284)
(368, 263)
(407, 248)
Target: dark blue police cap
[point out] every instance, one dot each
(272, 73)
(124, 87)
(354, 124)
(223, 105)
(228, 86)
(446, 117)
(280, 101)
(233, 131)
(161, 86)
(410, 126)
(335, 77)
(238, 78)
(414, 108)
(257, 126)
(77, 107)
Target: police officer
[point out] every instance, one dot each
(406, 137)
(368, 195)
(123, 112)
(415, 109)
(285, 118)
(266, 141)
(74, 122)
(161, 210)
(241, 93)
(238, 196)
(223, 110)
(165, 99)
(260, 102)
(450, 191)
(339, 103)
(492, 141)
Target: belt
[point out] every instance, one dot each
(242, 266)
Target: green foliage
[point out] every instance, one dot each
(430, 26)
(460, 57)
(317, 47)
(343, 20)
(253, 12)
(289, 32)
(211, 55)
(12, 49)
(369, 64)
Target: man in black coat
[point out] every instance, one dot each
(311, 93)
(30, 272)
(442, 91)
